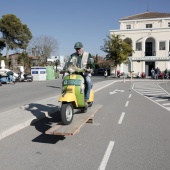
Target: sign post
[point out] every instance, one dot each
(131, 75)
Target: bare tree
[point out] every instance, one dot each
(43, 46)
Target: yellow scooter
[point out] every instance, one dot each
(73, 97)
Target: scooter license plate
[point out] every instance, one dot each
(72, 82)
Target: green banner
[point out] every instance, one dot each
(72, 82)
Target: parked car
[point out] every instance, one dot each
(101, 71)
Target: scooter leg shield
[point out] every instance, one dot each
(68, 97)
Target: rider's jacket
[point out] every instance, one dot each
(80, 60)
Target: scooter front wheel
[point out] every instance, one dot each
(67, 113)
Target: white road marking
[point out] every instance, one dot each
(161, 100)
(154, 94)
(106, 156)
(115, 91)
(157, 92)
(127, 103)
(167, 108)
(98, 89)
(152, 89)
(121, 118)
(163, 89)
(130, 95)
(166, 104)
(112, 92)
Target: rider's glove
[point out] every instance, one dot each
(77, 69)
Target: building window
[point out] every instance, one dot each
(148, 25)
(162, 45)
(138, 46)
(128, 27)
(168, 24)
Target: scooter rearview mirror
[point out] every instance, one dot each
(74, 62)
(90, 60)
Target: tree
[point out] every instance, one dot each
(104, 64)
(117, 50)
(2, 45)
(43, 46)
(129, 41)
(14, 34)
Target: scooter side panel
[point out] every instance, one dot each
(80, 93)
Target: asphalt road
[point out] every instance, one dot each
(130, 131)
(22, 93)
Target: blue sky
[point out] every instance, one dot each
(69, 21)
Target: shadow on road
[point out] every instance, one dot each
(54, 87)
(43, 125)
(44, 121)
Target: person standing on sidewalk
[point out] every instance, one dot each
(152, 73)
(156, 73)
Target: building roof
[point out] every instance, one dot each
(147, 15)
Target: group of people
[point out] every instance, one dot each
(155, 73)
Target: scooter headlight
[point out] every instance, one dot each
(71, 69)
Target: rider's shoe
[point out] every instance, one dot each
(86, 104)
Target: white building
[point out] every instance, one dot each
(150, 34)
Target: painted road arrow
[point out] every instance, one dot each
(115, 91)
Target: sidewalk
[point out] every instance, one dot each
(16, 119)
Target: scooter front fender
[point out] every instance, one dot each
(68, 97)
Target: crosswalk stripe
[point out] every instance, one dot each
(154, 92)
(166, 104)
(161, 100)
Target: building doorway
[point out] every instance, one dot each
(148, 50)
(150, 47)
(148, 67)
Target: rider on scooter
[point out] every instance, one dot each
(81, 57)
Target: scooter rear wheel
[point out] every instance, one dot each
(67, 113)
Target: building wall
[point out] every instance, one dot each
(160, 32)
(140, 24)
(143, 35)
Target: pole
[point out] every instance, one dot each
(148, 6)
(131, 75)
